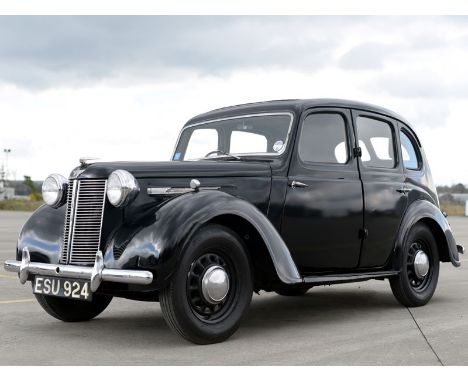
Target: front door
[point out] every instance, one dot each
(385, 196)
(323, 211)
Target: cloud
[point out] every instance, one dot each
(40, 52)
(424, 83)
(367, 56)
(122, 87)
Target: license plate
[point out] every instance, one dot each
(62, 287)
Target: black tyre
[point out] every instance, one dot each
(72, 310)
(290, 291)
(212, 288)
(417, 281)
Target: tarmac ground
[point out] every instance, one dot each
(348, 324)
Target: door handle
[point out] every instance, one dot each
(296, 184)
(404, 190)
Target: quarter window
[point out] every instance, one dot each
(408, 152)
(323, 139)
(376, 140)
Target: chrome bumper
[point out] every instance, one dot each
(95, 275)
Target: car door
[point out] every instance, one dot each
(385, 196)
(323, 209)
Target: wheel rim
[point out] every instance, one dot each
(419, 265)
(211, 287)
(215, 285)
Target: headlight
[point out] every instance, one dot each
(54, 190)
(122, 187)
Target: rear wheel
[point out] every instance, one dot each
(417, 281)
(73, 310)
(211, 289)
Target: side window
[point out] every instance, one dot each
(202, 141)
(408, 152)
(376, 142)
(323, 139)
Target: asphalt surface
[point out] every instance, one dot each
(353, 324)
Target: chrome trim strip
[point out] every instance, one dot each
(102, 214)
(167, 190)
(288, 136)
(71, 230)
(95, 275)
(348, 277)
(71, 223)
(175, 190)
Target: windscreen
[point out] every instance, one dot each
(265, 134)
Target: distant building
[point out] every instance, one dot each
(461, 198)
(6, 192)
(453, 197)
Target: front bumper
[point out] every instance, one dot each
(95, 275)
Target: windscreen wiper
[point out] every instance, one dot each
(207, 156)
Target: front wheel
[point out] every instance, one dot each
(211, 289)
(417, 281)
(73, 310)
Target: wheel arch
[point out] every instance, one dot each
(159, 245)
(44, 241)
(425, 212)
(263, 268)
(442, 246)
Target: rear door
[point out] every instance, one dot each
(382, 177)
(323, 210)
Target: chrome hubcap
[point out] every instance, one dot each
(215, 284)
(421, 264)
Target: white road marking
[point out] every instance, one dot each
(8, 277)
(16, 301)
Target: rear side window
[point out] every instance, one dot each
(323, 139)
(408, 152)
(376, 142)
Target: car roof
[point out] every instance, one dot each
(295, 105)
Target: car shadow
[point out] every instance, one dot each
(319, 305)
(143, 325)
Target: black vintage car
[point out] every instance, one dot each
(276, 196)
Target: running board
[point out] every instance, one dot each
(349, 277)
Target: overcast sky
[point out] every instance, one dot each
(122, 87)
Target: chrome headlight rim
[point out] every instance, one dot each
(128, 188)
(61, 185)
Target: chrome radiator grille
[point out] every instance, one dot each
(83, 221)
